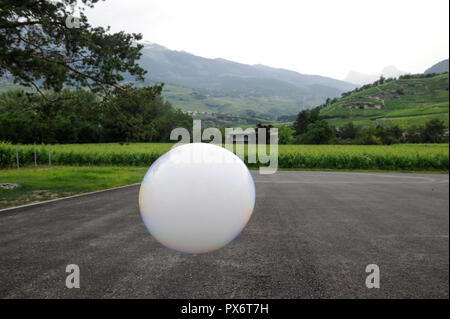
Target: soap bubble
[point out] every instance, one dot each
(197, 198)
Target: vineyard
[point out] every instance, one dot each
(403, 102)
(394, 157)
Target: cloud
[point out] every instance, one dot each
(319, 37)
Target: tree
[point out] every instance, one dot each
(38, 48)
(80, 116)
(149, 117)
(433, 130)
(349, 131)
(388, 135)
(319, 132)
(305, 118)
(369, 136)
(285, 134)
(414, 134)
(302, 122)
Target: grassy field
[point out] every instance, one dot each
(404, 102)
(45, 183)
(394, 157)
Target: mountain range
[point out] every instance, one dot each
(222, 92)
(219, 86)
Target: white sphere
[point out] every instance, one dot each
(197, 198)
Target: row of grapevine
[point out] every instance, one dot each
(404, 157)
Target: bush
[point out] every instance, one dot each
(319, 132)
(369, 137)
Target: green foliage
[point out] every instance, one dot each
(80, 116)
(37, 47)
(349, 131)
(310, 129)
(318, 132)
(388, 135)
(285, 135)
(433, 130)
(302, 123)
(369, 137)
(305, 118)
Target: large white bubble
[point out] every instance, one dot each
(197, 198)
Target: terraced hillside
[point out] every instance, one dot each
(404, 102)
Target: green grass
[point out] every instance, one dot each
(47, 183)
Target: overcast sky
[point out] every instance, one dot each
(325, 37)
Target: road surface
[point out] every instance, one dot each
(312, 235)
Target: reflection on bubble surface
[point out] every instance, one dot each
(197, 198)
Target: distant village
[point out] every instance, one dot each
(194, 113)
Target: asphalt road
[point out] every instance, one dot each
(312, 235)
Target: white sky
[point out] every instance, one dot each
(325, 37)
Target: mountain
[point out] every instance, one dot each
(412, 100)
(440, 67)
(224, 87)
(222, 92)
(363, 78)
(360, 78)
(392, 72)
